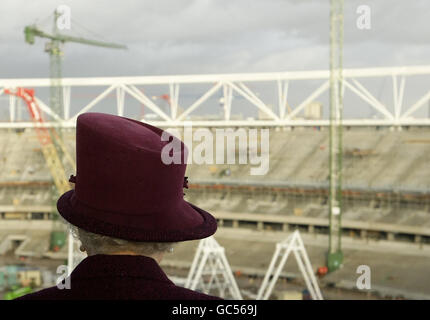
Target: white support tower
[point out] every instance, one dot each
(74, 255)
(293, 244)
(210, 270)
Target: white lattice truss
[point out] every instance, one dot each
(293, 244)
(236, 84)
(210, 270)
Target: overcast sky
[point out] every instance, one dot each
(207, 36)
(213, 36)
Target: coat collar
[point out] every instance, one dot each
(105, 266)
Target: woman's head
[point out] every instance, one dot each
(124, 187)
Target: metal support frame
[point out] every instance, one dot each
(66, 101)
(295, 245)
(174, 98)
(227, 100)
(335, 255)
(120, 95)
(74, 255)
(210, 270)
(237, 85)
(282, 97)
(12, 107)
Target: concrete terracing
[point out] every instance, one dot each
(386, 180)
(32, 236)
(372, 158)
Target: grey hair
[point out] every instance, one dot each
(100, 244)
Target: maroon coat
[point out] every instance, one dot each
(118, 277)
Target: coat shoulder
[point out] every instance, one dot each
(180, 293)
(52, 293)
(160, 292)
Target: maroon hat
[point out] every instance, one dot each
(124, 190)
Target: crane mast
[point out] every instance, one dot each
(54, 49)
(335, 255)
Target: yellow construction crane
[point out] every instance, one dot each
(54, 49)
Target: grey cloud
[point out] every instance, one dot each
(204, 36)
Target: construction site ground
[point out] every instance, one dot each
(398, 270)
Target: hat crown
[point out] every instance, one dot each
(124, 131)
(119, 166)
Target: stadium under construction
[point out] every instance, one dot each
(385, 176)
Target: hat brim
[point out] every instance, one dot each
(83, 217)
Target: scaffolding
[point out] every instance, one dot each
(210, 270)
(293, 244)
